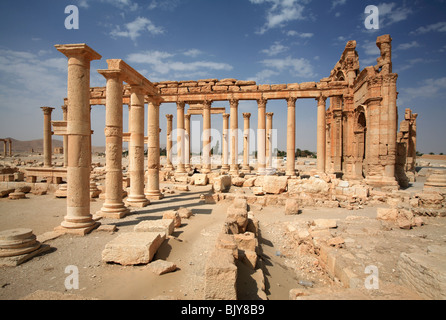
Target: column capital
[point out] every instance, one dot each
(270, 114)
(291, 101)
(262, 102)
(181, 104)
(64, 108)
(225, 116)
(169, 117)
(47, 110)
(233, 103)
(207, 104)
(111, 74)
(187, 116)
(156, 104)
(78, 50)
(137, 89)
(321, 99)
(246, 115)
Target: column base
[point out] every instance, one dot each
(246, 169)
(114, 211)
(291, 173)
(81, 231)
(382, 182)
(169, 167)
(137, 202)
(154, 195)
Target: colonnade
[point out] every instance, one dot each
(7, 151)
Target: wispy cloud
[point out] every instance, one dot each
(336, 3)
(120, 4)
(299, 67)
(428, 88)
(390, 13)
(275, 49)
(408, 45)
(167, 5)
(436, 27)
(303, 35)
(165, 64)
(134, 29)
(281, 12)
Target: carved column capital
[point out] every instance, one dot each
(47, 110)
(246, 115)
(169, 117)
(291, 101)
(262, 102)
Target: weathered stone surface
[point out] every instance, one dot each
(291, 206)
(240, 215)
(275, 185)
(165, 226)
(200, 179)
(324, 223)
(185, 213)
(132, 248)
(249, 182)
(238, 182)
(387, 214)
(220, 276)
(425, 273)
(246, 241)
(172, 214)
(161, 267)
(222, 183)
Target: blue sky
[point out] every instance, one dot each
(270, 41)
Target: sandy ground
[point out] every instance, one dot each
(370, 240)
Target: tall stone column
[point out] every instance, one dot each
(47, 136)
(136, 197)
(4, 148)
(261, 137)
(169, 166)
(153, 152)
(187, 142)
(206, 137)
(246, 168)
(78, 219)
(269, 141)
(65, 138)
(234, 137)
(291, 137)
(224, 155)
(321, 135)
(180, 137)
(10, 147)
(390, 84)
(113, 206)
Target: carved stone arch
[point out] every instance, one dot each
(340, 76)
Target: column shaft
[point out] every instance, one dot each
(180, 138)
(153, 152)
(206, 137)
(291, 136)
(321, 134)
(114, 206)
(187, 142)
(169, 166)
(234, 137)
(269, 141)
(47, 137)
(78, 219)
(65, 138)
(136, 148)
(261, 137)
(246, 168)
(224, 155)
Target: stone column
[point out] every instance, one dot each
(321, 135)
(136, 197)
(169, 166)
(392, 127)
(65, 138)
(4, 148)
(180, 137)
(234, 137)
(47, 136)
(269, 142)
(10, 147)
(246, 168)
(291, 137)
(206, 137)
(261, 137)
(113, 206)
(224, 155)
(187, 142)
(78, 219)
(153, 152)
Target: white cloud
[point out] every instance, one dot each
(134, 29)
(336, 3)
(428, 88)
(304, 35)
(192, 53)
(167, 5)
(408, 45)
(281, 12)
(164, 63)
(120, 4)
(298, 67)
(436, 27)
(275, 49)
(390, 13)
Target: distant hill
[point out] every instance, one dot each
(26, 146)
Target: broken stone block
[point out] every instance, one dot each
(222, 183)
(246, 241)
(257, 191)
(185, 213)
(161, 267)
(165, 226)
(240, 215)
(227, 241)
(238, 182)
(200, 179)
(132, 248)
(324, 223)
(291, 207)
(172, 214)
(220, 276)
(275, 185)
(387, 214)
(249, 182)
(249, 258)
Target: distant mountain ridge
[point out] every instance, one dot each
(26, 146)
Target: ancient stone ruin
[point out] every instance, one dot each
(363, 159)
